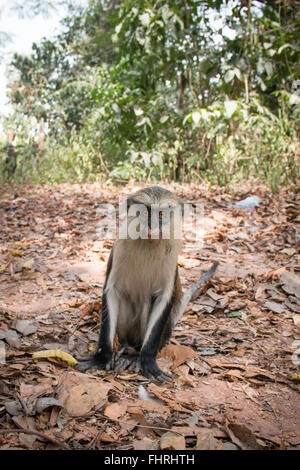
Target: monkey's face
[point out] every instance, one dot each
(154, 214)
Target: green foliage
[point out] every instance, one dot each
(162, 90)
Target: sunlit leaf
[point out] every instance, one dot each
(196, 117)
(230, 108)
(229, 75)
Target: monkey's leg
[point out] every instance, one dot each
(157, 333)
(103, 358)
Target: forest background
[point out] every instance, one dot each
(181, 90)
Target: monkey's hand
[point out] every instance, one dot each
(97, 361)
(152, 371)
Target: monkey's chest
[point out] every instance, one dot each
(137, 283)
(140, 279)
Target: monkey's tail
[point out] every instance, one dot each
(190, 292)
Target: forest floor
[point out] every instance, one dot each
(234, 357)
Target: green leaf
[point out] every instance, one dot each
(163, 119)
(196, 116)
(138, 111)
(229, 75)
(235, 313)
(145, 19)
(269, 69)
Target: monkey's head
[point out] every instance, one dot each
(154, 214)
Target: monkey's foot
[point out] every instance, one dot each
(127, 362)
(152, 371)
(97, 361)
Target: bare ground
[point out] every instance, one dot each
(234, 357)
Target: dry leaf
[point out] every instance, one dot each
(115, 410)
(172, 441)
(146, 405)
(178, 353)
(242, 436)
(206, 440)
(84, 397)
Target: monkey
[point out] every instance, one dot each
(142, 297)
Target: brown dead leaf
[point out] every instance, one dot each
(260, 292)
(44, 388)
(167, 397)
(109, 436)
(172, 441)
(136, 406)
(114, 383)
(27, 440)
(144, 444)
(84, 397)
(290, 283)
(206, 440)
(184, 376)
(274, 306)
(242, 436)
(87, 310)
(115, 410)
(178, 353)
(276, 274)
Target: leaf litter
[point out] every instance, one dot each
(234, 356)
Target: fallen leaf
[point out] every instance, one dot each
(144, 444)
(47, 402)
(274, 306)
(27, 440)
(12, 338)
(28, 264)
(206, 440)
(43, 388)
(167, 398)
(178, 353)
(115, 410)
(242, 436)
(26, 327)
(14, 408)
(147, 405)
(84, 397)
(290, 283)
(172, 441)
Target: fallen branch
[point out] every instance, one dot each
(38, 434)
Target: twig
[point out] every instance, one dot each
(160, 428)
(38, 434)
(23, 404)
(94, 441)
